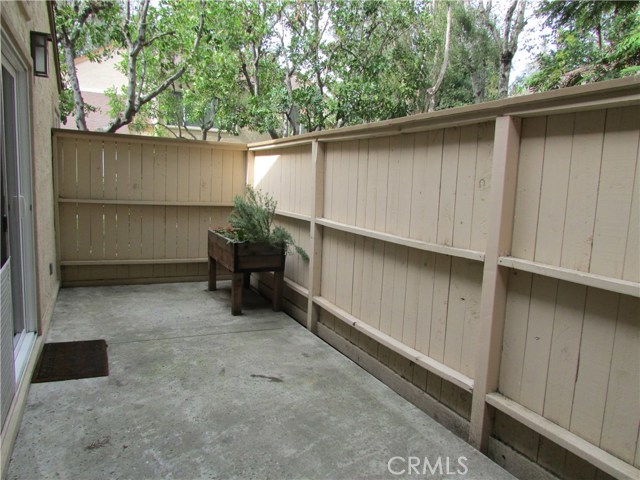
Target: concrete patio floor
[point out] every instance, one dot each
(196, 393)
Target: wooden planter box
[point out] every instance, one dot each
(242, 258)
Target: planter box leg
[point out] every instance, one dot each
(247, 280)
(212, 274)
(236, 293)
(278, 285)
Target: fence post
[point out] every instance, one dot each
(315, 232)
(506, 148)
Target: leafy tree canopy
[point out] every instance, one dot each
(594, 41)
(284, 67)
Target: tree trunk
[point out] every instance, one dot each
(478, 85)
(512, 30)
(506, 59)
(430, 100)
(78, 101)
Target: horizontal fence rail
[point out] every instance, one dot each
(489, 254)
(134, 208)
(498, 253)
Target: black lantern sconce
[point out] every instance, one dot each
(40, 53)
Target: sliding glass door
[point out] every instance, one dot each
(17, 270)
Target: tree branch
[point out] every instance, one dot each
(156, 37)
(431, 92)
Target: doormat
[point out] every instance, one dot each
(71, 361)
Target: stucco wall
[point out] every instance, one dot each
(18, 19)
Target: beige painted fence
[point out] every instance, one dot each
(495, 247)
(489, 255)
(136, 209)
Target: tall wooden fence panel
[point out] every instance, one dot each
(571, 351)
(497, 249)
(490, 255)
(287, 175)
(137, 209)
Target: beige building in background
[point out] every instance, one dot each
(96, 78)
(29, 277)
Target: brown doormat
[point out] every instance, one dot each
(71, 361)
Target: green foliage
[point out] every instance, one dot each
(595, 41)
(252, 221)
(287, 66)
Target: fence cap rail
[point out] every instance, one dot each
(125, 138)
(612, 93)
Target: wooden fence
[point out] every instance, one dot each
(133, 209)
(489, 255)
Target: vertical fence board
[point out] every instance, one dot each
(388, 275)
(465, 186)
(403, 225)
(440, 307)
(96, 184)
(160, 173)
(427, 266)
(619, 159)
(195, 235)
(147, 168)
(553, 197)
(344, 274)
(68, 225)
(146, 225)
(183, 174)
(340, 187)
(622, 410)
(482, 187)
(381, 147)
(329, 261)
(96, 232)
(538, 343)
(393, 184)
(473, 287)
(83, 166)
(631, 270)
(363, 180)
(195, 173)
(565, 352)
(216, 176)
(172, 174)
(595, 362)
(135, 171)
(110, 161)
(122, 232)
(350, 158)
(68, 182)
(399, 293)
(331, 152)
(284, 192)
(110, 232)
(583, 188)
(411, 297)
(135, 232)
(239, 174)
(377, 273)
(206, 173)
(530, 165)
(458, 289)
(448, 182)
(515, 334)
